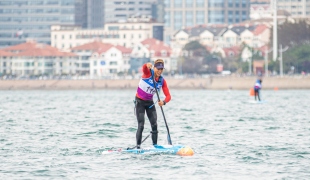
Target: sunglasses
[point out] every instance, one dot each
(160, 69)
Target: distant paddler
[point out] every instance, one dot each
(257, 88)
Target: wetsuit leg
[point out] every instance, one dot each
(152, 115)
(140, 111)
(255, 93)
(258, 94)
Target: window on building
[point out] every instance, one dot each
(164, 53)
(167, 19)
(216, 17)
(200, 3)
(120, 9)
(178, 3)
(244, 3)
(230, 3)
(178, 20)
(189, 18)
(111, 28)
(200, 17)
(188, 3)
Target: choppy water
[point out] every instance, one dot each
(61, 134)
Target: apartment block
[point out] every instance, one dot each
(21, 19)
(297, 8)
(126, 33)
(186, 13)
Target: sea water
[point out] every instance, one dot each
(62, 134)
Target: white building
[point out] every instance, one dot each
(255, 35)
(297, 8)
(260, 11)
(152, 49)
(125, 33)
(32, 58)
(102, 59)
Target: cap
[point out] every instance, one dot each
(159, 63)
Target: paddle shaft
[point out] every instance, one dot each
(162, 111)
(141, 142)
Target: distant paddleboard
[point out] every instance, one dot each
(157, 149)
(257, 102)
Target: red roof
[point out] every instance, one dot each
(259, 29)
(100, 47)
(32, 48)
(124, 49)
(234, 51)
(94, 46)
(209, 48)
(258, 6)
(22, 47)
(263, 49)
(4, 53)
(156, 46)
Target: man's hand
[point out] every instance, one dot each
(160, 103)
(149, 65)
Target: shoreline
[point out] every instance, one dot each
(211, 83)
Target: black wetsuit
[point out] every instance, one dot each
(256, 92)
(141, 107)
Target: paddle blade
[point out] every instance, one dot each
(169, 139)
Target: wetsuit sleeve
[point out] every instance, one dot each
(166, 91)
(146, 71)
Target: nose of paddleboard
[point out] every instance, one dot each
(185, 151)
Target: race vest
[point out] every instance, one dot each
(257, 86)
(146, 88)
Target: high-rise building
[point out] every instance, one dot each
(89, 13)
(120, 10)
(22, 19)
(297, 8)
(185, 13)
(158, 11)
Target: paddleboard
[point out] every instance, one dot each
(257, 102)
(157, 149)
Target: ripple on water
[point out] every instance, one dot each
(62, 134)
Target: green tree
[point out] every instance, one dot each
(291, 34)
(298, 57)
(194, 58)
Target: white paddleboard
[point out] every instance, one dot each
(257, 102)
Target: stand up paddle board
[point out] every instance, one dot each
(157, 149)
(257, 102)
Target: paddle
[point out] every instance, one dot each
(129, 148)
(162, 111)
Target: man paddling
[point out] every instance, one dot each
(144, 98)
